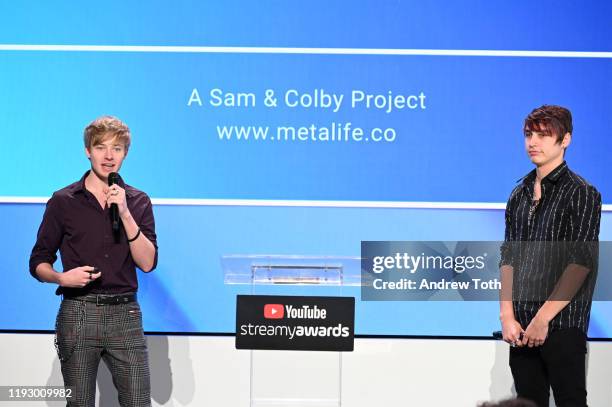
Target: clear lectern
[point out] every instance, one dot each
(294, 378)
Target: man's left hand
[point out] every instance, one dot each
(536, 332)
(115, 194)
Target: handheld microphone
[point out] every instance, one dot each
(113, 178)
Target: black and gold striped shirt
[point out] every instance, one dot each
(542, 238)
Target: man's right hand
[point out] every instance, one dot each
(512, 331)
(78, 277)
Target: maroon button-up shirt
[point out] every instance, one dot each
(76, 224)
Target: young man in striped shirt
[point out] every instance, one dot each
(549, 266)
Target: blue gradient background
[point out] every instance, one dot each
(469, 134)
(465, 147)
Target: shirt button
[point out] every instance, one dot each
(106, 256)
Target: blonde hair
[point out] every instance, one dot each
(99, 130)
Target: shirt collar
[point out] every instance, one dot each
(80, 185)
(557, 173)
(552, 177)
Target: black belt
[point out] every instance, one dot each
(105, 299)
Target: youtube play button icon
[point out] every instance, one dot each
(274, 311)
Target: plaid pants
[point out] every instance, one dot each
(86, 333)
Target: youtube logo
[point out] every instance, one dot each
(274, 311)
(291, 322)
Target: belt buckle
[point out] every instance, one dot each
(98, 300)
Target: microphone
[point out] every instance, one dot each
(113, 178)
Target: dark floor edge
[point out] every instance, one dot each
(434, 337)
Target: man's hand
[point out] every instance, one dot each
(116, 195)
(512, 331)
(78, 277)
(536, 332)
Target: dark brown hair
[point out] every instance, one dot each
(551, 120)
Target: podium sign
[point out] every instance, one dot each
(295, 323)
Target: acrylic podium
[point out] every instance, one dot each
(294, 378)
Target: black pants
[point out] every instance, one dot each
(559, 363)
